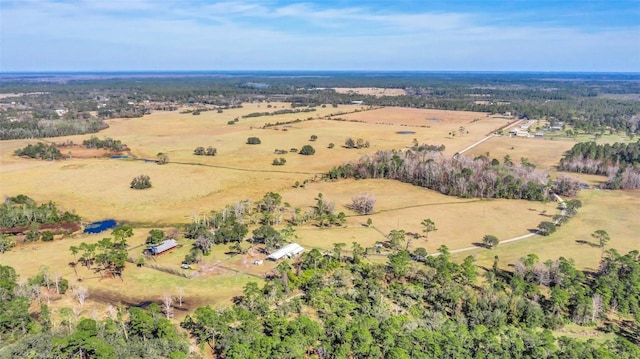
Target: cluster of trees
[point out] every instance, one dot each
(357, 143)
(620, 162)
(141, 182)
(33, 128)
(566, 186)
(23, 214)
(623, 178)
(220, 228)
(40, 151)
(21, 211)
(108, 255)
(125, 333)
(460, 176)
(201, 151)
(427, 148)
(230, 225)
(593, 158)
(108, 143)
(435, 308)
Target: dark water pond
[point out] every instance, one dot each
(97, 227)
(405, 132)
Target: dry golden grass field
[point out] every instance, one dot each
(614, 211)
(98, 188)
(541, 152)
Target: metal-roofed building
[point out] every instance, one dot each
(163, 247)
(288, 251)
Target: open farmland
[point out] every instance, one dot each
(189, 185)
(614, 211)
(99, 188)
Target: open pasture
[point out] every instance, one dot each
(614, 211)
(404, 206)
(188, 184)
(541, 152)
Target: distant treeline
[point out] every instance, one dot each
(618, 161)
(589, 103)
(460, 176)
(278, 112)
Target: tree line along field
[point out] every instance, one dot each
(188, 185)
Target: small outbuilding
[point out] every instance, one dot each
(163, 247)
(288, 251)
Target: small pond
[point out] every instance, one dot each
(97, 227)
(405, 132)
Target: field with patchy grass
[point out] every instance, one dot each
(614, 211)
(189, 185)
(99, 188)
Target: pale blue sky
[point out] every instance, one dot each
(469, 35)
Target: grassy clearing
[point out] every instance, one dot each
(541, 152)
(404, 206)
(614, 211)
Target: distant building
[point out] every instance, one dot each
(163, 247)
(290, 250)
(519, 133)
(359, 102)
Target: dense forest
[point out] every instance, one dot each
(620, 162)
(460, 176)
(63, 104)
(339, 305)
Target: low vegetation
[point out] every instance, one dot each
(253, 141)
(209, 151)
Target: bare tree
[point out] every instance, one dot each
(363, 203)
(56, 281)
(541, 273)
(82, 293)
(179, 295)
(167, 305)
(597, 305)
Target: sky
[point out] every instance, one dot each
(373, 35)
